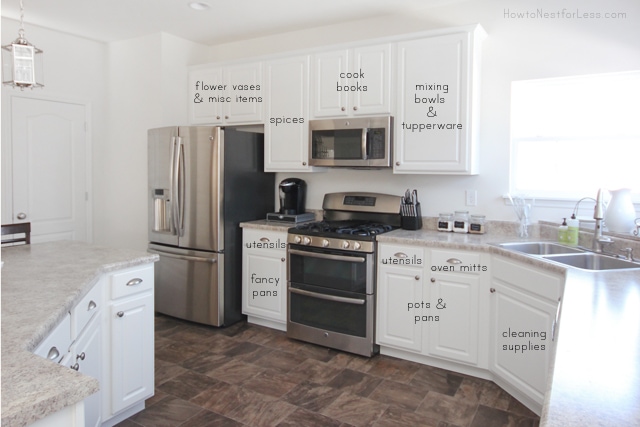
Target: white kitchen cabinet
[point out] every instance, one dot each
(286, 129)
(128, 329)
(429, 302)
(436, 121)
(400, 296)
(524, 308)
(264, 277)
(455, 281)
(229, 94)
(352, 82)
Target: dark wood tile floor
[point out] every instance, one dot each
(247, 375)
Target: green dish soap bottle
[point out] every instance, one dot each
(563, 232)
(573, 231)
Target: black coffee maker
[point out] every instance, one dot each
(293, 192)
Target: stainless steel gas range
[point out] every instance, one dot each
(332, 271)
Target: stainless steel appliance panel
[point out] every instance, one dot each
(199, 187)
(186, 284)
(161, 145)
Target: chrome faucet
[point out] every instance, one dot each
(598, 215)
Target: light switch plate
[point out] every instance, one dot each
(471, 197)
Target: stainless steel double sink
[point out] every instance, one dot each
(571, 256)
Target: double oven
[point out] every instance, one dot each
(332, 271)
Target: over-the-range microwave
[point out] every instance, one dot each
(351, 142)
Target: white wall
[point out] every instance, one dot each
(147, 88)
(516, 49)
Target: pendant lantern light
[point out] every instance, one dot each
(22, 62)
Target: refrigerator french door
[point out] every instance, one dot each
(203, 181)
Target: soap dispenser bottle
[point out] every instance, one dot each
(573, 231)
(563, 232)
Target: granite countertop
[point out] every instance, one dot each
(40, 284)
(595, 371)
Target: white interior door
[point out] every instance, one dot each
(49, 168)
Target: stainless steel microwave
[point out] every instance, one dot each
(356, 142)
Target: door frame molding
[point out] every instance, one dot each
(7, 144)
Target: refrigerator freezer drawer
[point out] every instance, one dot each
(188, 284)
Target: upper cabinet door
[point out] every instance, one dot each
(328, 100)
(205, 93)
(373, 65)
(286, 129)
(435, 123)
(352, 82)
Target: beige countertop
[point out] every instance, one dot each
(595, 375)
(40, 284)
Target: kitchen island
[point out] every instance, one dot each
(41, 283)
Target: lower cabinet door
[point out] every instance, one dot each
(522, 342)
(86, 357)
(131, 351)
(399, 308)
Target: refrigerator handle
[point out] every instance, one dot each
(182, 257)
(181, 186)
(174, 184)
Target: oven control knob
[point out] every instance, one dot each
(306, 240)
(325, 243)
(297, 239)
(345, 244)
(356, 245)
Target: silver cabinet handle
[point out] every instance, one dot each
(397, 163)
(400, 255)
(81, 356)
(454, 261)
(53, 353)
(120, 313)
(492, 290)
(75, 367)
(21, 215)
(134, 282)
(283, 259)
(264, 239)
(433, 280)
(92, 305)
(342, 109)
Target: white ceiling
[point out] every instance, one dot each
(226, 21)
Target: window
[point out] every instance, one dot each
(571, 136)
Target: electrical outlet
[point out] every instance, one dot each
(471, 197)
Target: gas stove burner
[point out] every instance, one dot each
(365, 229)
(353, 228)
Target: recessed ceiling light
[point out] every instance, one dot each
(199, 5)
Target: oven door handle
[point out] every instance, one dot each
(327, 256)
(327, 297)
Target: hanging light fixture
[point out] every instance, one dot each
(21, 61)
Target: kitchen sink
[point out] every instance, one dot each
(592, 261)
(540, 248)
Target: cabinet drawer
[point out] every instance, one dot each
(132, 281)
(264, 240)
(464, 262)
(401, 255)
(84, 311)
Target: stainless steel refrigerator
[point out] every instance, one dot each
(203, 181)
